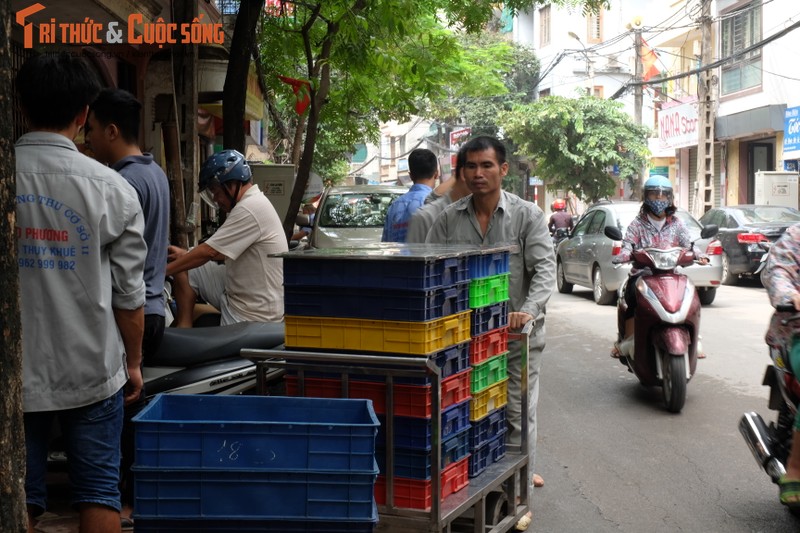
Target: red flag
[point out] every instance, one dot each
(302, 92)
(649, 58)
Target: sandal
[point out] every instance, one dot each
(524, 522)
(790, 492)
(126, 523)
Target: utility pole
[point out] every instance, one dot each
(704, 186)
(637, 96)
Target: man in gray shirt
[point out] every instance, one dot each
(493, 217)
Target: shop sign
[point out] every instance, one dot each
(677, 126)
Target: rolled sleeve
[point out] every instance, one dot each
(127, 256)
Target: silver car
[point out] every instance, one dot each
(585, 257)
(352, 215)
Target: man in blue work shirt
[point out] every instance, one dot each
(423, 167)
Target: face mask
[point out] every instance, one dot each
(657, 206)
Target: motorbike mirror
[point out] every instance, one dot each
(302, 220)
(709, 231)
(613, 233)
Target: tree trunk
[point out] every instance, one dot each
(235, 88)
(13, 516)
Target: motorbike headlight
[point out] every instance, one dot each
(665, 259)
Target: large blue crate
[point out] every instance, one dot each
(377, 304)
(397, 273)
(416, 433)
(256, 433)
(144, 525)
(228, 494)
(488, 264)
(416, 464)
(488, 318)
(486, 428)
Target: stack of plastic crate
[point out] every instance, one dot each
(405, 300)
(488, 299)
(255, 463)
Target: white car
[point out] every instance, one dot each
(584, 258)
(352, 216)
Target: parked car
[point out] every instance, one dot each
(741, 227)
(585, 257)
(352, 215)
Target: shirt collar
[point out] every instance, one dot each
(46, 138)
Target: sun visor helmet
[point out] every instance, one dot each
(219, 169)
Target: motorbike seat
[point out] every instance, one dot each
(183, 347)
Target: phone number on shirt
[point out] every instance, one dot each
(46, 264)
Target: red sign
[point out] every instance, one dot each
(457, 138)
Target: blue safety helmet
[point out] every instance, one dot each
(662, 185)
(221, 168)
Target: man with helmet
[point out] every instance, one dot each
(560, 219)
(656, 226)
(249, 285)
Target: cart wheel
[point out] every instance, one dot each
(496, 507)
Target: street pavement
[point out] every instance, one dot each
(613, 459)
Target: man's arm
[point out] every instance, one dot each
(180, 259)
(131, 327)
(541, 263)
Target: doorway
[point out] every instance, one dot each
(759, 157)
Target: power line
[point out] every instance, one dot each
(622, 90)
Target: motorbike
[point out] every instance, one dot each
(667, 319)
(559, 235)
(771, 444)
(202, 360)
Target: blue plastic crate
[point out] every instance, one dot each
(377, 304)
(226, 494)
(200, 525)
(488, 264)
(486, 428)
(416, 464)
(256, 433)
(488, 318)
(411, 274)
(416, 432)
(451, 361)
(490, 452)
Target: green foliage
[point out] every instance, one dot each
(575, 141)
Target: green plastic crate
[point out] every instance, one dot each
(489, 372)
(488, 291)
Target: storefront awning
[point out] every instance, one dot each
(765, 119)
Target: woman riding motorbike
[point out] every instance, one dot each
(783, 287)
(656, 226)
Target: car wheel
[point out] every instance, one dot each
(602, 296)
(564, 287)
(707, 295)
(728, 278)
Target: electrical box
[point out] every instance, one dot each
(277, 183)
(776, 188)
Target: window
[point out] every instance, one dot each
(594, 28)
(739, 32)
(544, 92)
(582, 226)
(544, 26)
(598, 223)
(596, 91)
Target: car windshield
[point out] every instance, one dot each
(355, 210)
(768, 213)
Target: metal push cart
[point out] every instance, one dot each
(483, 506)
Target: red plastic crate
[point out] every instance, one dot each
(416, 493)
(409, 400)
(488, 345)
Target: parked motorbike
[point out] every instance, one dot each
(202, 360)
(667, 319)
(771, 444)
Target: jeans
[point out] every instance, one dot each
(92, 439)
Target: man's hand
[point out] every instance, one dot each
(133, 388)
(796, 300)
(174, 252)
(518, 319)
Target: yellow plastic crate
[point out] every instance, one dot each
(388, 336)
(488, 400)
